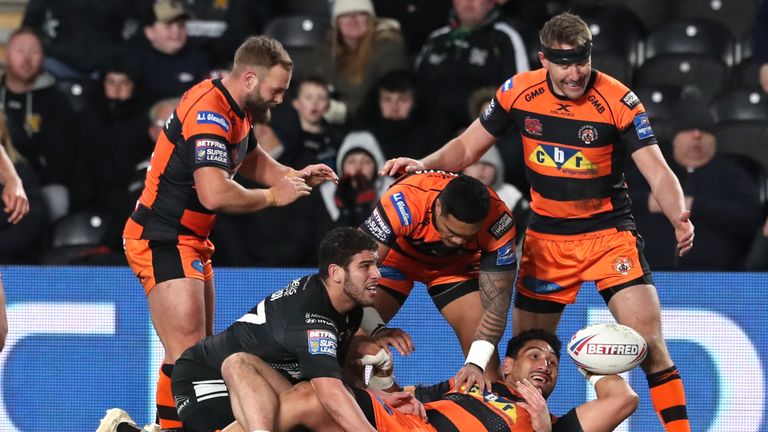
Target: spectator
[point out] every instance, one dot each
(80, 36)
(360, 50)
(300, 134)
(402, 121)
(39, 119)
(721, 195)
(169, 64)
(114, 131)
(476, 49)
(25, 218)
(359, 160)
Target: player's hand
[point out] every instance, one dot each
(403, 402)
(397, 166)
(394, 337)
(15, 200)
(684, 233)
(288, 190)
(469, 376)
(317, 173)
(535, 404)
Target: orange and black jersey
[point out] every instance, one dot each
(404, 220)
(482, 411)
(574, 150)
(206, 129)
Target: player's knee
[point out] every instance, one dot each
(235, 366)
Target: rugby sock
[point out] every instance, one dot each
(166, 407)
(126, 427)
(668, 398)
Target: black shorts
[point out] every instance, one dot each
(202, 399)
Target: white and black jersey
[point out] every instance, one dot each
(296, 330)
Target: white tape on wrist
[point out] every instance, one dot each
(480, 353)
(381, 383)
(372, 321)
(595, 378)
(381, 361)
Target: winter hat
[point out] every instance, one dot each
(341, 7)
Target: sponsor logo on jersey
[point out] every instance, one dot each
(540, 286)
(403, 211)
(197, 265)
(507, 85)
(622, 265)
(643, 126)
(588, 134)
(489, 109)
(533, 94)
(568, 160)
(207, 150)
(532, 126)
(562, 109)
(377, 227)
(596, 103)
(502, 226)
(630, 100)
(506, 255)
(210, 117)
(321, 342)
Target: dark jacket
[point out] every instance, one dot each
(21, 243)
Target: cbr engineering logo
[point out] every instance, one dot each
(568, 160)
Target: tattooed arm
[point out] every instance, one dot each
(495, 296)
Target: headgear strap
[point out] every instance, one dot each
(576, 55)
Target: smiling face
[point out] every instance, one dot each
(537, 362)
(361, 278)
(569, 80)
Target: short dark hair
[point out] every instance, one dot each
(262, 51)
(340, 245)
(516, 343)
(400, 81)
(22, 31)
(312, 79)
(465, 198)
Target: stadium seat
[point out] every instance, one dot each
(745, 138)
(660, 104)
(737, 15)
(746, 75)
(699, 76)
(756, 171)
(300, 34)
(741, 105)
(321, 8)
(80, 229)
(77, 91)
(616, 36)
(651, 12)
(702, 37)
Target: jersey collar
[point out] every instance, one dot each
(232, 104)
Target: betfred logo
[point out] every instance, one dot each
(612, 349)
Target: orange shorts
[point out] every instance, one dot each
(155, 261)
(553, 267)
(385, 418)
(399, 272)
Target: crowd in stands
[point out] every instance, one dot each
(87, 86)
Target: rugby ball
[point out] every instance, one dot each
(607, 349)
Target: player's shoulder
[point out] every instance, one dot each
(205, 104)
(523, 82)
(423, 180)
(614, 91)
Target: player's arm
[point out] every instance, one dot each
(340, 404)
(262, 168)
(15, 201)
(218, 192)
(615, 402)
(667, 192)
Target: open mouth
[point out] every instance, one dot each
(539, 378)
(371, 288)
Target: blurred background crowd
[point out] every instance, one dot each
(88, 84)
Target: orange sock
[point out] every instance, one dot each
(668, 398)
(166, 407)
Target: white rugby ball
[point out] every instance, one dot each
(607, 349)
